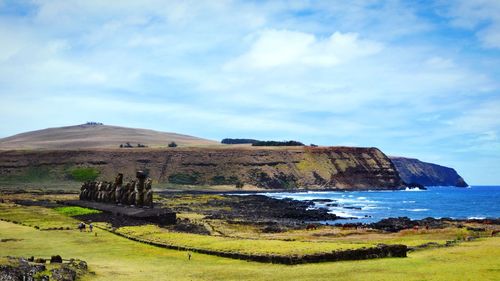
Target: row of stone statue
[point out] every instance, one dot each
(135, 193)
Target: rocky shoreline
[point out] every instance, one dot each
(269, 214)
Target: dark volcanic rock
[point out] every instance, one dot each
(63, 274)
(321, 200)
(416, 185)
(415, 172)
(259, 207)
(19, 269)
(186, 226)
(400, 223)
(394, 224)
(56, 259)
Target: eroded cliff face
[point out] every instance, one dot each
(277, 168)
(427, 174)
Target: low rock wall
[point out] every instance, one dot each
(379, 251)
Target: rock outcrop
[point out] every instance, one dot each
(414, 171)
(276, 168)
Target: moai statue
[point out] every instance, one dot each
(89, 191)
(125, 193)
(102, 191)
(105, 192)
(118, 194)
(86, 191)
(132, 192)
(111, 193)
(148, 197)
(94, 190)
(99, 191)
(118, 188)
(139, 189)
(82, 191)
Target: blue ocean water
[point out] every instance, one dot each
(437, 202)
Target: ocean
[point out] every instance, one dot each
(437, 202)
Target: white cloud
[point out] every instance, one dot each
(440, 63)
(378, 73)
(275, 48)
(483, 118)
(490, 36)
(483, 16)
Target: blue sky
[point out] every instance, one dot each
(414, 78)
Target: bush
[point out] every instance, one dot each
(84, 174)
(37, 174)
(221, 180)
(172, 144)
(183, 178)
(278, 143)
(238, 141)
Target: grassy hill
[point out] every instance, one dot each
(96, 136)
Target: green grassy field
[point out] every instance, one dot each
(112, 257)
(246, 246)
(115, 258)
(75, 211)
(34, 216)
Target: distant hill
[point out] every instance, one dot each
(96, 135)
(427, 174)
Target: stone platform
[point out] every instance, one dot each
(154, 215)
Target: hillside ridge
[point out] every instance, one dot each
(412, 170)
(96, 136)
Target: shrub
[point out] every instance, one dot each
(183, 178)
(37, 174)
(278, 143)
(238, 141)
(172, 144)
(221, 180)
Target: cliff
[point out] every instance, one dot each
(283, 168)
(427, 174)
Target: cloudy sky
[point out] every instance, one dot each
(419, 80)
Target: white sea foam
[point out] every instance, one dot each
(413, 189)
(375, 208)
(415, 210)
(344, 214)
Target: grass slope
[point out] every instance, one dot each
(246, 246)
(96, 136)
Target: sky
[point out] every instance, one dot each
(414, 78)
